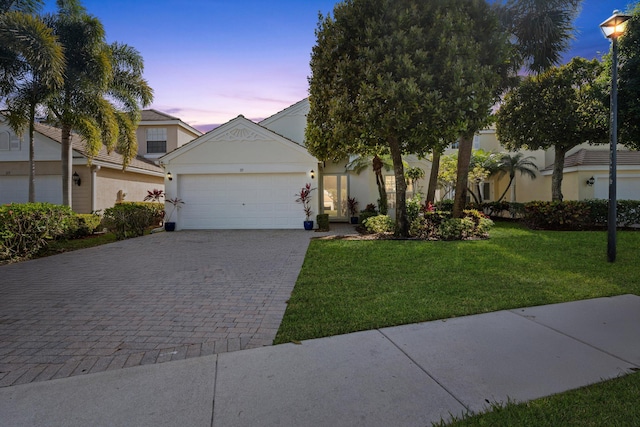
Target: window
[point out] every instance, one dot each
(156, 140)
(4, 141)
(390, 189)
(9, 141)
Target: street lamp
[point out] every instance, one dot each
(613, 28)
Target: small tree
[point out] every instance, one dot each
(560, 109)
(304, 198)
(510, 164)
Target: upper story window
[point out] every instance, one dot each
(156, 140)
(9, 142)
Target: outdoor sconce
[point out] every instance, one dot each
(76, 179)
(591, 181)
(169, 176)
(313, 174)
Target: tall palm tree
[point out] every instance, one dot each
(541, 31)
(512, 163)
(103, 90)
(31, 65)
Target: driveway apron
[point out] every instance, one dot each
(152, 299)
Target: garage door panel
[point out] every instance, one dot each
(240, 201)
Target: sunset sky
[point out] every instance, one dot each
(210, 60)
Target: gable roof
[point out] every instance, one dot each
(300, 108)
(236, 129)
(586, 157)
(155, 117)
(112, 160)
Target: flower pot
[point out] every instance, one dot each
(308, 225)
(169, 226)
(354, 220)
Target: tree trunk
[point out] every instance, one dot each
(382, 192)
(513, 191)
(32, 159)
(433, 177)
(465, 147)
(558, 171)
(67, 165)
(504, 193)
(402, 223)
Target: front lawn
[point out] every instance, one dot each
(348, 286)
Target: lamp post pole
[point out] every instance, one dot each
(612, 218)
(613, 28)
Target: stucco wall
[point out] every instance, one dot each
(110, 181)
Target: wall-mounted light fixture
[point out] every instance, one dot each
(591, 181)
(76, 179)
(312, 174)
(169, 176)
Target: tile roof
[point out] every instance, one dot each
(112, 158)
(586, 157)
(156, 116)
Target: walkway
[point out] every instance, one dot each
(163, 297)
(409, 375)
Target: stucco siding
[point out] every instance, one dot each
(134, 186)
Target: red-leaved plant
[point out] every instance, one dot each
(304, 198)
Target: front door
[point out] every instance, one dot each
(334, 196)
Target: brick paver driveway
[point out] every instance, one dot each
(152, 299)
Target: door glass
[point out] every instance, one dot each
(334, 195)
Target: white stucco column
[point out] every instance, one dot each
(94, 187)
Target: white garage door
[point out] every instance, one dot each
(627, 188)
(221, 201)
(15, 189)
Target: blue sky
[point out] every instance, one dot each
(210, 60)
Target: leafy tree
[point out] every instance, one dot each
(413, 174)
(540, 31)
(31, 65)
(560, 109)
(400, 77)
(629, 82)
(103, 89)
(482, 165)
(510, 164)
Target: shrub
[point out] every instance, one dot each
(369, 211)
(82, 225)
(323, 222)
(379, 224)
(413, 208)
(570, 215)
(456, 229)
(26, 228)
(130, 219)
(426, 226)
(481, 224)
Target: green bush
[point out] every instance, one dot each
(426, 226)
(323, 222)
(379, 224)
(131, 219)
(456, 229)
(26, 228)
(414, 207)
(570, 215)
(369, 211)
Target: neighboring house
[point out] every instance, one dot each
(100, 185)
(159, 133)
(586, 173)
(246, 175)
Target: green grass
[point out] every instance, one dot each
(58, 246)
(610, 403)
(347, 286)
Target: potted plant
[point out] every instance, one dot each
(352, 206)
(304, 198)
(177, 204)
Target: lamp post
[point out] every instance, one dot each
(613, 28)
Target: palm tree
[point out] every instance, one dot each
(31, 64)
(103, 89)
(541, 31)
(510, 164)
(360, 163)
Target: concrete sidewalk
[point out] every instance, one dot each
(403, 376)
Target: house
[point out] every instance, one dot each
(98, 184)
(586, 173)
(246, 175)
